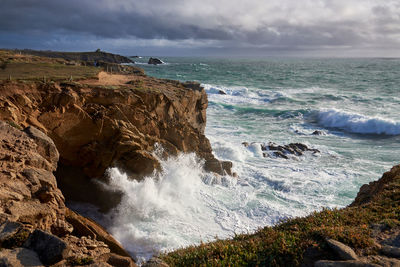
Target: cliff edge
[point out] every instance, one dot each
(62, 126)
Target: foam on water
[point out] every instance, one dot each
(284, 101)
(177, 207)
(182, 205)
(357, 123)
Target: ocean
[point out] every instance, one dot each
(353, 104)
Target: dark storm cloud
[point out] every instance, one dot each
(191, 23)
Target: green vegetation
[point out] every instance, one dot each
(16, 240)
(82, 261)
(286, 243)
(46, 71)
(15, 125)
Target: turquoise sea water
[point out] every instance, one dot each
(354, 103)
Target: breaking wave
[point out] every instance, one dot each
(357, 123)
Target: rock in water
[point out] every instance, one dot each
(317, 132)
(221, 92)
(155, 61)
(282, 151)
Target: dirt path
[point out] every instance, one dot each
(110, 79)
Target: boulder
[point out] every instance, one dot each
(317, 132)
(8, 229)
(117, 260)
(46, 146)
(154, 61)
(155, 262)
(19, 257)
(391, 251)
(353, 263)
(218, 167)
(369, 191)
(49, 248)
(282, 151)
(344, 252)
(85, 227)
(221, 92)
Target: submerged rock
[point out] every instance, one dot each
(282, 151)
(317, 132)
(154, 61)
(221, 92)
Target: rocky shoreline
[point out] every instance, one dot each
(78, 129)
(59, 135)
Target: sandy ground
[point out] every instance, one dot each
(110, 79)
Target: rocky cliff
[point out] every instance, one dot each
(96, 126)
(36, 228)
(58, 135)
(79, 56)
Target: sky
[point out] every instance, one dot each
(331, 28)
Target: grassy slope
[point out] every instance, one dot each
(285, 244)
(32, 68)
(79, 56)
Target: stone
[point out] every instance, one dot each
(280, 154)
(221, 92)
(218, 167)
(351, 263)
(369, 191)
(61, 228)
(155, 262)
(193, 86)
(9, 229)
(46, 146)
(49, 248)
(317, 132)
(155, 61)
(384, 261)
(344, 252)
(86, 227)
(282, 151)
(19, 257)
(118, 260)
(391, 251)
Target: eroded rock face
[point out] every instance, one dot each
(95, 127)
(34, 220)
(369, 191)
(29, 192)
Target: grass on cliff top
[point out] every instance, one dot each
(48, 71)
(286, 243)
(16, 66)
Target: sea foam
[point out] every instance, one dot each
(176, 207)
(357, 123)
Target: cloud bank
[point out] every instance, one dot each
(320, 27)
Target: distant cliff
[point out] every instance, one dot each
(79, 56)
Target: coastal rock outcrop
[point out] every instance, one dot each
(95, 127)
(95, 56)
(283, 151)
(154, 61)
(369, 192)
(34, 221)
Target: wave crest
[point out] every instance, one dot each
(357, 123)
